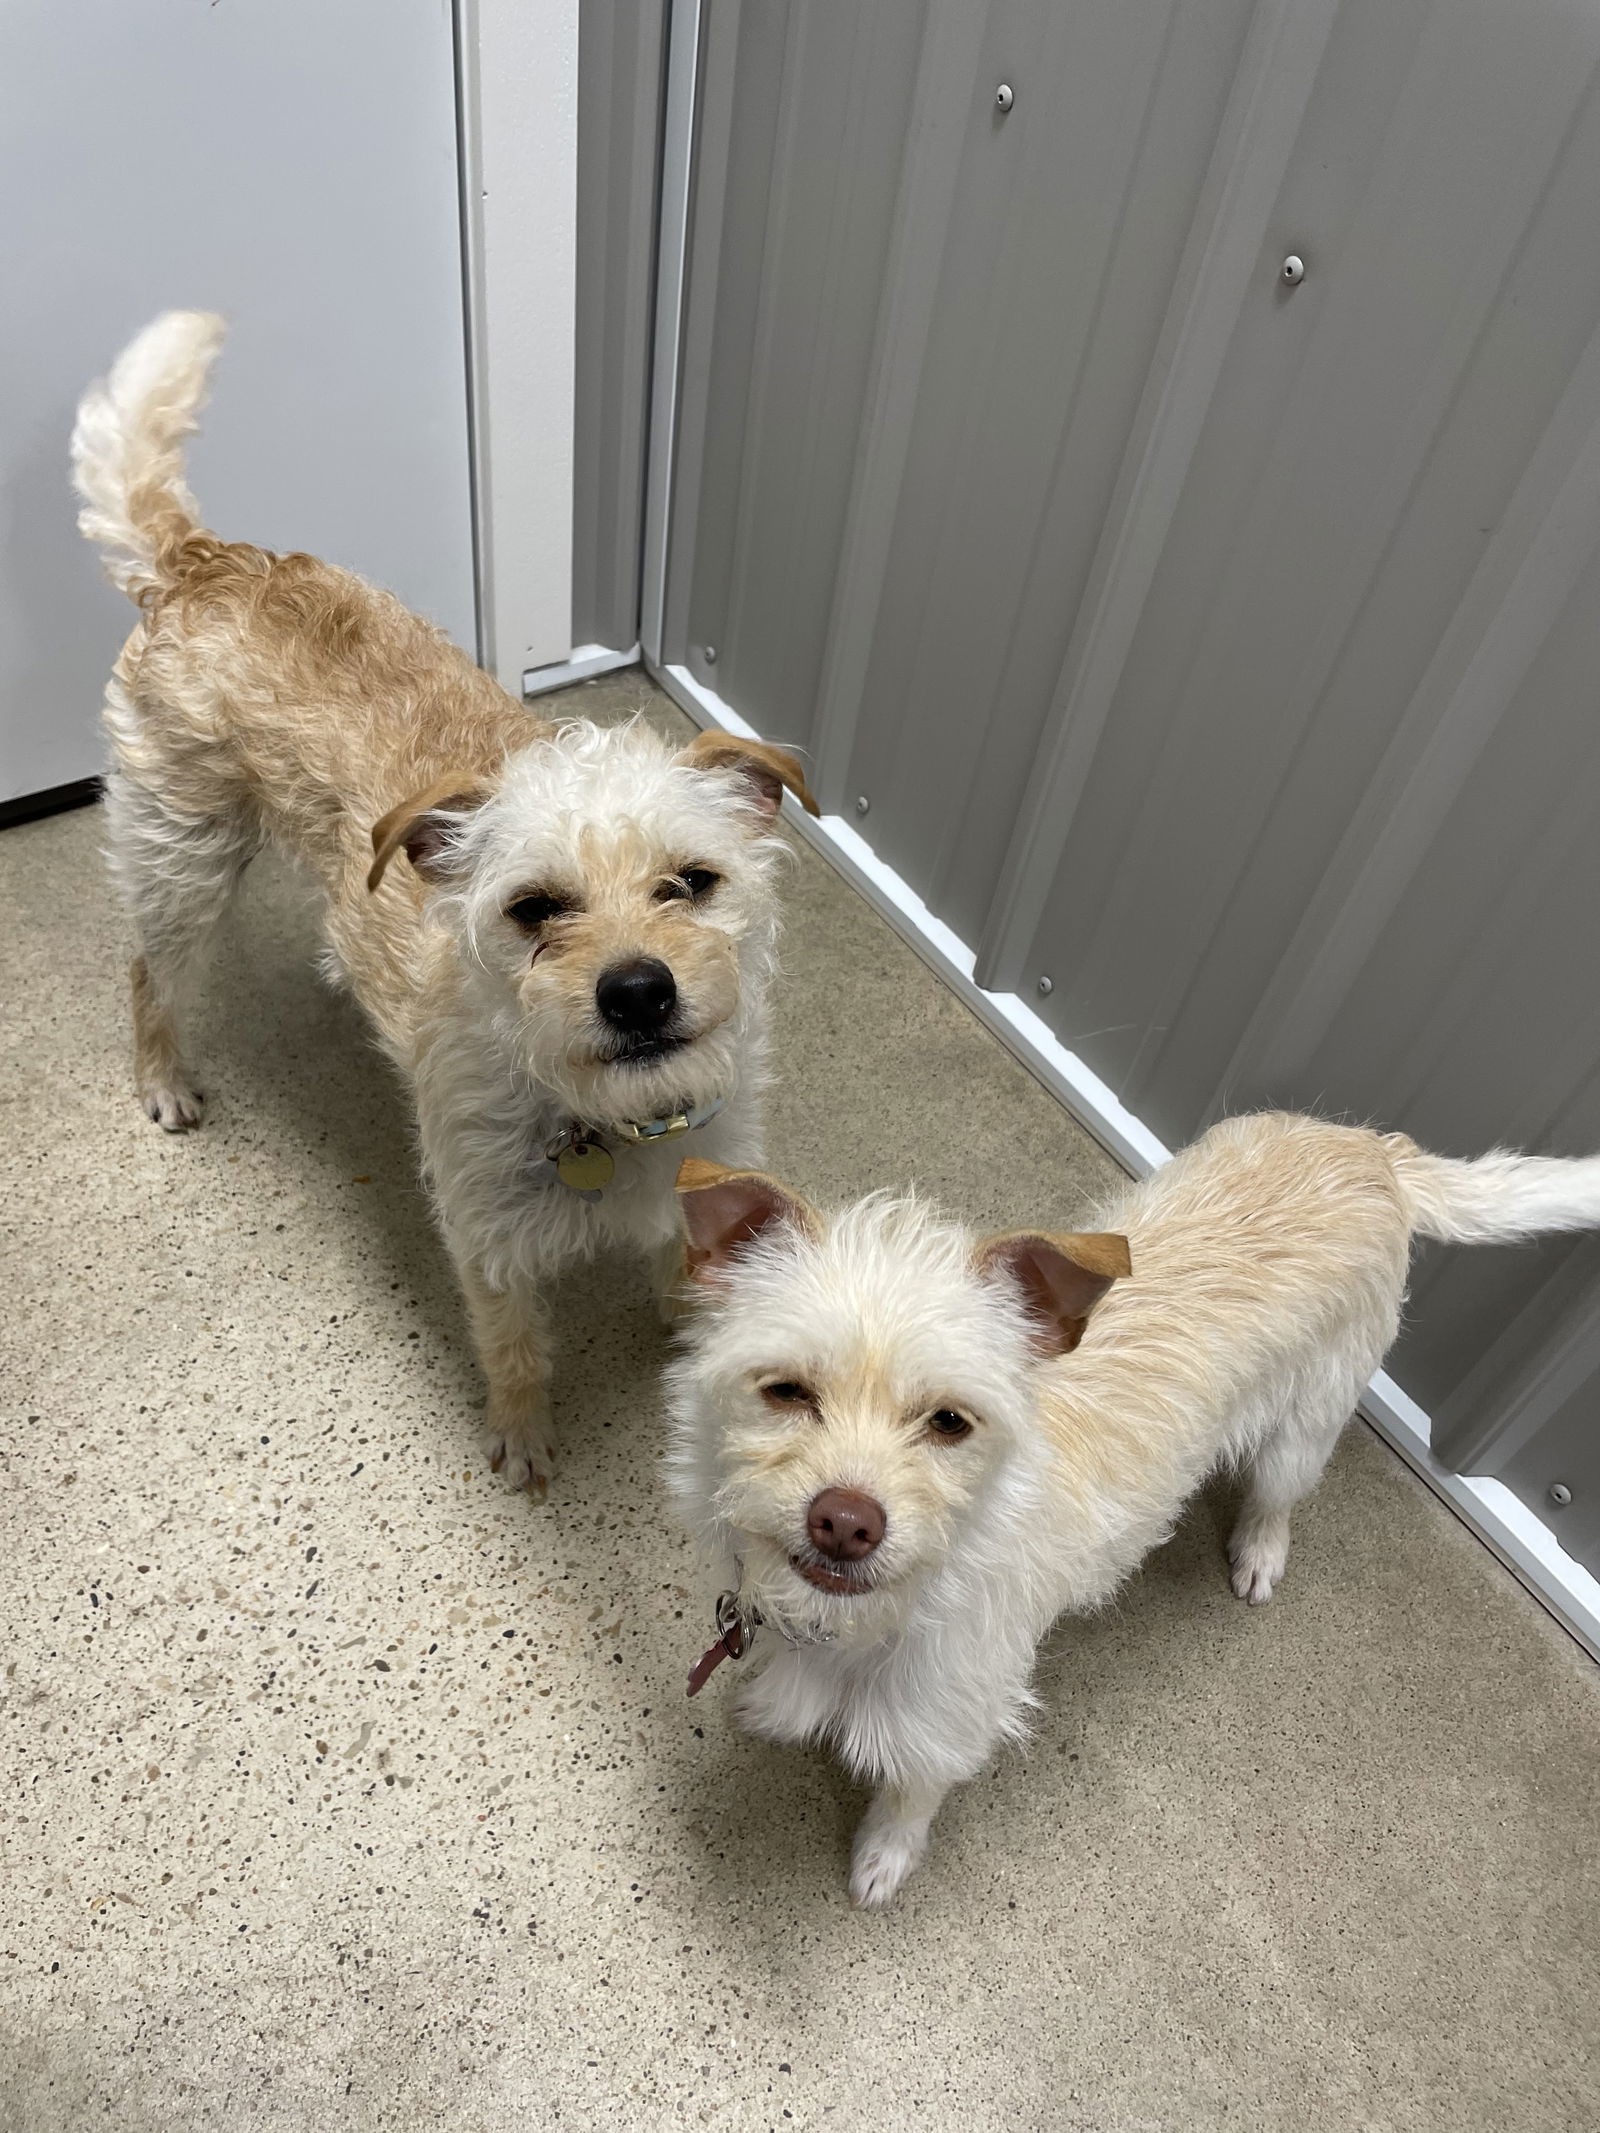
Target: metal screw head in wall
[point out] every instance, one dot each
(1046, 986)
(862, 804)
(711, 655)
(1560, 1495)
(1003, 99)
(1294, 270)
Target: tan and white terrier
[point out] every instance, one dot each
(887, 1432)
(563, 935)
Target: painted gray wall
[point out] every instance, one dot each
(620, 56)
(293, 166)
(1224, 650)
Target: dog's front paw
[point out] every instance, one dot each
(1253, 1582)
(172, 1104)
(891, 1840)
(525, 1458)
(883, 1855)
(1258, 1554)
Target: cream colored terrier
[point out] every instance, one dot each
(564, 936)
(888, 1433)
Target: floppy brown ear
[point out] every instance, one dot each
(765, 769)
(1061, 1279)
(723, 1210)
(422, 825)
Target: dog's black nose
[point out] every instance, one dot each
(636, 997)
(844, 1524)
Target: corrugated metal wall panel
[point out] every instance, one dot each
(1069, 218)
(620, 52)
(1357, 455)
(1220, 648)
(803, 114)
(1546, 1443)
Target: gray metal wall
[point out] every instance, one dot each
(1224, 650)
(620, 53)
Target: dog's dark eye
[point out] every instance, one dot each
(946, 1422)
(531, 912)
(788, 1392)
(689, 886)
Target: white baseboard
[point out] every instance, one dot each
(1522, 1542)
(586, 661)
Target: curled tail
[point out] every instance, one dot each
(127, 448)
(1497, 1199)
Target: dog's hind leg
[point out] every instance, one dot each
(1286, 1467)
(177, 872)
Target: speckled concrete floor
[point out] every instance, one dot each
(342, 1789)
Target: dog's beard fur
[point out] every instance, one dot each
(884, 1322)
(605, 822)
(771, 1592)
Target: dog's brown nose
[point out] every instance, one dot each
(845, 1524)
(636, 997)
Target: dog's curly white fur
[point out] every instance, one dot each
(887, 1353)
(483, 871)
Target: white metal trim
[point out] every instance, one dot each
(1523, 1542)
(1520, 1540)
(672, 248)
(517, 99)
(587, 660)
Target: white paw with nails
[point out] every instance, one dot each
(173, 1106)
(1257, 1567)
(882, 1859)
(523, 1461)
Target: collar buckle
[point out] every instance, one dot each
(655, 1129)
(584, 1163)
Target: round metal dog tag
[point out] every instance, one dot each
(585, 1167)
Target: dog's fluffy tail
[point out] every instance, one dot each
(1497, 1199)
(127, 449)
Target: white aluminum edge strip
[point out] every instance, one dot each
(1522, 1542)
(587, 660)
(518, 113)
(672, 251)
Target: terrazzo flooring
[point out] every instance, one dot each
(344, 1789)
